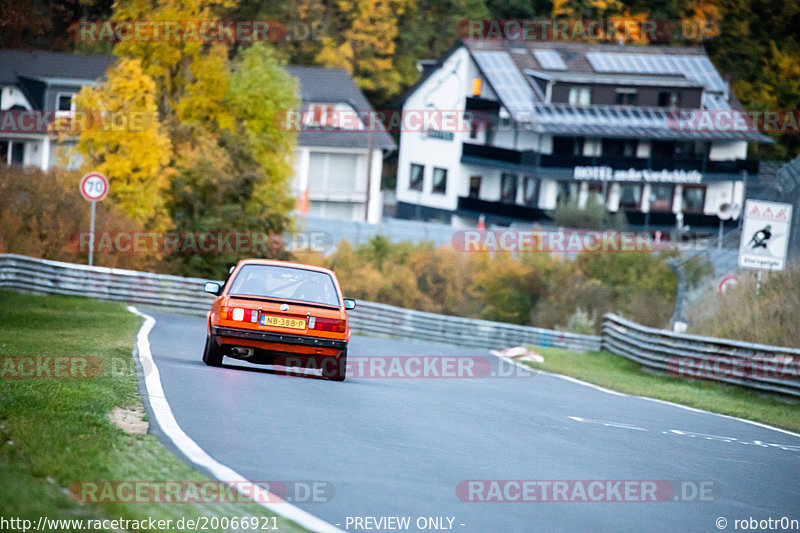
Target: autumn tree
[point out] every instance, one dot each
(589, 9)
(366, 45)
(127, 143)
(426, 30)
(234, 175)
(214, 156)
(305, 24)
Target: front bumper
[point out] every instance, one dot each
(278, 338)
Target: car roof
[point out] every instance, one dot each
(286, 264)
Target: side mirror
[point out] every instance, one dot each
(212, 287)
(349, 304)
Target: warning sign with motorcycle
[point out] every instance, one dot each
(765, 235)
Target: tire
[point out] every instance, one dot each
(212, 354)
(339, 373)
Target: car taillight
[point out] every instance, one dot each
(327, 324)
(239, 314)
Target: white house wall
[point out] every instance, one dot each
(445, 90)
(725, 151)
(11, 96)
(340, 202)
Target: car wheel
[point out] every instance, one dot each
(339, 371)
(212, 354)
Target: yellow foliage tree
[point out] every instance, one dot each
(367, 47)
(169, 61)
(129, 145)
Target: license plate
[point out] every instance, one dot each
(283, 322)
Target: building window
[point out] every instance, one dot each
(668, 99)
(328, 171)
(17, 153)
(693, 199)
(473, 129)
(65, 102)
(508, 188)
(439, 180)
(567, 192)
(580, 96)
(321, 115)
(630, 196)
(415, 178)
(625, 97)
(530, 190)
(619, 147)
(596, 192)
(4, 152)
(662, 149)
(568, 145)
(661, 197)
(475, 186)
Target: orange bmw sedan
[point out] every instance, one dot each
(279, 313)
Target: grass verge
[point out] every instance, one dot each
(623, 375)
(55, 431)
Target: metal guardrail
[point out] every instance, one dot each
(758, 366)
(42, 276)
(379, 319)
(22, 273)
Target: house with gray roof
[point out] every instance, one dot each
(35, 88)
(338, 166)
(340, 151)
(645, 130)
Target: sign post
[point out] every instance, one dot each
(765, 236)
(93, 187)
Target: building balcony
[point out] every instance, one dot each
(492, 153)
(499, 210)
(529, 161)
(476, 103)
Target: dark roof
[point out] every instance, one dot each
(508, 67)
(335, 85)
(317, 84)
(40, 64)
(573, 54)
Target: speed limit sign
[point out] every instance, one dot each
(94, 186)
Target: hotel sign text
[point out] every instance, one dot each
(664, 176)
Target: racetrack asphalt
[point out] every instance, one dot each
(399, 447)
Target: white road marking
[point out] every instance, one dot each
(169, 425)
(607, 423)
(694, 409)
(665, 402)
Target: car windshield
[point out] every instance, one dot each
(285, 283)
